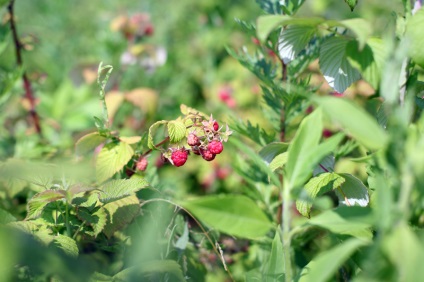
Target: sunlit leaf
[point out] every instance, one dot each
(279, 161)
(120, 213)
(152, 131)
(37, 203)
(176, 130)
(120, 188)
(66, 244)
(88, 143)
(274, 267)
(112, 158)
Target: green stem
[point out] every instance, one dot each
(286, 238)
(68, 227)
(102, 85)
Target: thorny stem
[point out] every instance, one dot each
(200, 226)
(29, 94)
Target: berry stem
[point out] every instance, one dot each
(29, 94)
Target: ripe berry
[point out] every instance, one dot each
(141, 164)
(179, 157)
(207, 155)
(215, 126)
(193, 140)
(215, 147)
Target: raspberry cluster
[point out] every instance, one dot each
(205, 139)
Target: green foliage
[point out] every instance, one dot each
(112, 158)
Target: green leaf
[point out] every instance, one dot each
(176, 131)
(233, 214)
(317, 186)
(414, 32)
(88, 143)
(120, 213)
(117, 189)
(360, 27)
(66, 244)
(334, 64)
(158, 266)
(112, 158)
(152, 131)
(274, 267)
(354, 120)
(351, 3)
(354, 221)
(325, 165)
(96, 220)
(182, 242)
(270, 151)
(37, 203)
(266, 24)
(293, 40)
(368, 61)
(6, 217)
(352, 192)
(279, 161)
(323, 267)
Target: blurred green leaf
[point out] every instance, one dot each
(334, 64)
(270, 151)
(6, 217)
(352, 192)
(279, 161)
(233, 214)
(152, 131)
(112, 158)
(323, 267)
(352, 4)
(66, 244)
(136, 273)
(88, 143)
(274, 267)
(414, 30)
(120, 213)
(354, 120)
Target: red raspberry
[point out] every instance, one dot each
(326, 133)
(141, 164)
(149, 30)
(207, 155)
(215, 147)
(215, 126)
(193, 140)
(179, 157)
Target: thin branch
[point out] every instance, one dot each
(29, 94)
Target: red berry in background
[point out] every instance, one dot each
(207, 155)
(215, 126)
(327, 133)
(193, 140)
(224, 94)
(141, 164)
(149, 30)
(337, 94)
(179, 157)
(215, 147)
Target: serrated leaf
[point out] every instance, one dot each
(6, 217)
(171, 267)
(130, 140)
(334, 64)
(274, 267)
(414, 31)
(270, 151)
(293, 40)
(152, 131)
(354, 120)
(96, 220)
(120, 213)
(88, 143)
(369, 61)
(66, 244)
(315, 187)
(176, 130)
(112, 158)
(323, 267)
(352, 192)
(117, 189)
(37, 203)
(233, 214)
(279, 161)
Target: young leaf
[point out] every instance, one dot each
(116, 189)
(176, 131)
(354, 120)
(317, 186)
(66, 244)
(274, 267)
(233, 214)
(352, 192)
(334, 64)
(120, 213)
(112, 158)
(152, 132)
(88, 143)
(321, 268)
(37, 203)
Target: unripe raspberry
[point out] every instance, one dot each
(215, 126)
(141, 164)
(215, 147)
(193, 140)
(179, 157)
(207, 155)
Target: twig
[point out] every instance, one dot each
(29, 94)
